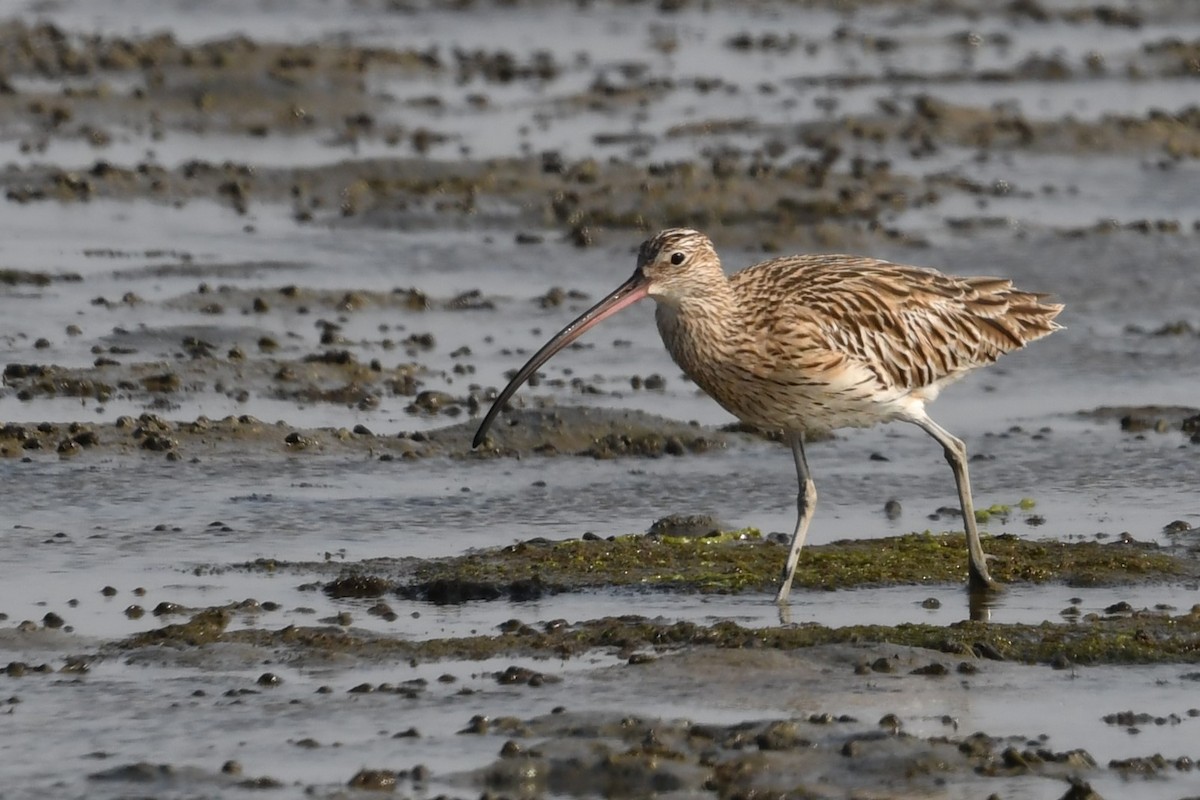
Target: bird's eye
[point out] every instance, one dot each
(677, 258)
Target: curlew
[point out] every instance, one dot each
(819, 342)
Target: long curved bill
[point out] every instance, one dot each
(621, 298)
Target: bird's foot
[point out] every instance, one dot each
(981, 582)
(983, 592)
(785, 586)
(781, 600)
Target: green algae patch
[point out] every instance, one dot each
(1084, 563)
(719, 563)
(743, 560)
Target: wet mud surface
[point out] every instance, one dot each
(567, 431)
(264, 268)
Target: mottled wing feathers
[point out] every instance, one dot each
(902, 327)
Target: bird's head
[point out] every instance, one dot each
(676, 263)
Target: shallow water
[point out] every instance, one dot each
(132, 520)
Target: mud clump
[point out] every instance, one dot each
(20, 277)
(205, 627)
(164, 382)
(374, 780)
(524, 676)
(453, 591)
(595, 433)
(651, 445)
(1159, 419)
(685, 525)
(431, 402)
(357, 586)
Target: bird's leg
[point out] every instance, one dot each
(806, 500)
(956, 453)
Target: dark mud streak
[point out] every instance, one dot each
(566, 431)
(1142, 638)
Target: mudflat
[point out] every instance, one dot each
(264, 266)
